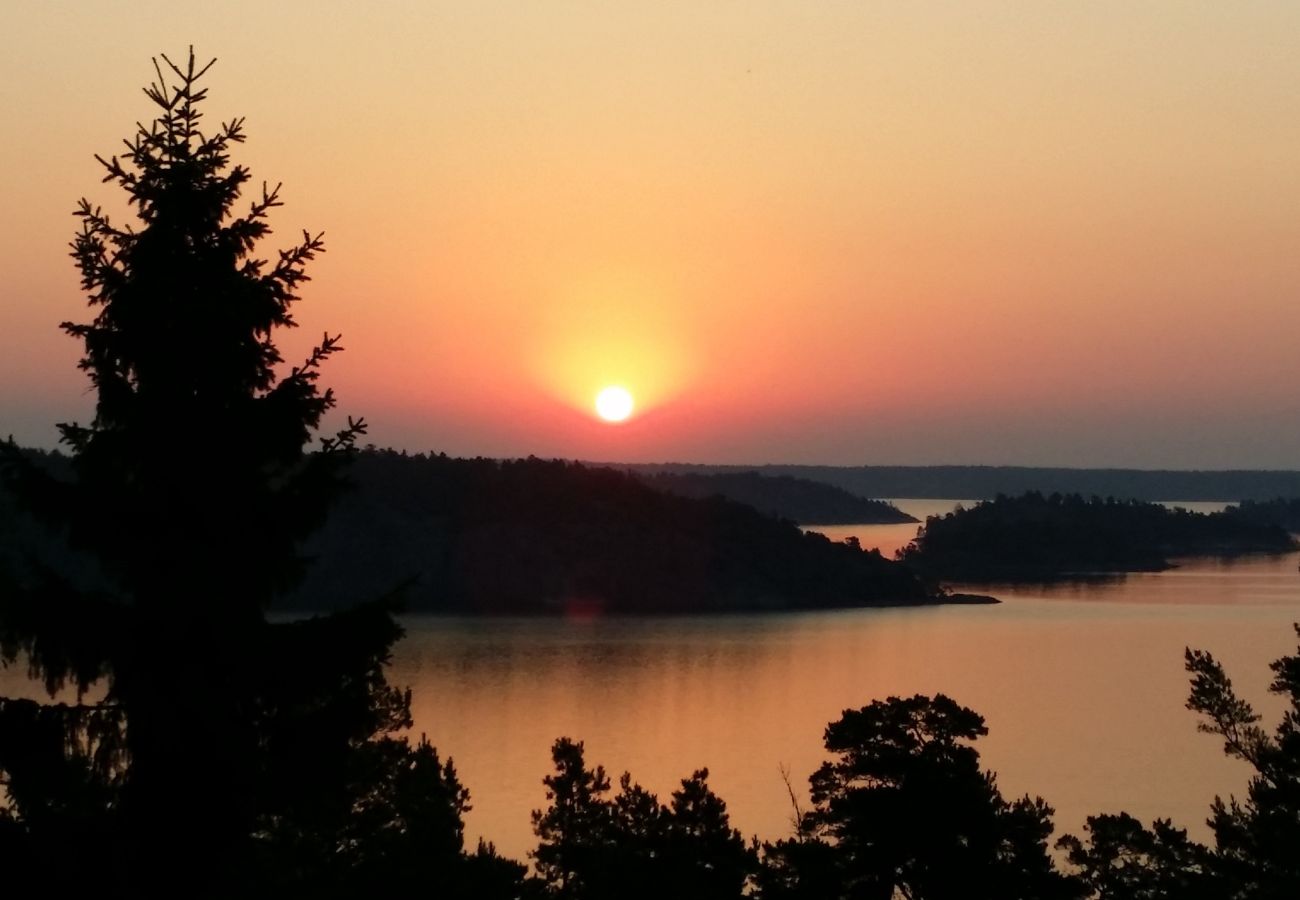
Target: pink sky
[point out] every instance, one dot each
(830, 233)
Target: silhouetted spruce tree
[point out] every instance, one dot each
(221, 751)
(905, 810)
(629, 846)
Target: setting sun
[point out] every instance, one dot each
(614, 404)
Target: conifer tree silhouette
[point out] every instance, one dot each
(221, 751)
(630, 846)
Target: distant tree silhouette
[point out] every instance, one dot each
(209, 751)
(1282, 512)
(905, 810)
(1033, 537)
(592, 846)
(783, 496)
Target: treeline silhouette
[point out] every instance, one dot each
(903, 809)
(782, 496)
(1280, 511)
(534, 536)
(539, 537)
(1036, 537)
(987, 482)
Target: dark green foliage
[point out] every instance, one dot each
(797, 499)
(536, 536)
(593, 846)
(904, 807)
(1036, 537)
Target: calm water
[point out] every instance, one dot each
(1082, 687)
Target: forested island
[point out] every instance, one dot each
(482, 536)
(1035, 537)
(535, 536)
(784, 496)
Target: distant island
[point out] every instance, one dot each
(987, 482)
(482, 536)
(784, 496)
(1035, 537)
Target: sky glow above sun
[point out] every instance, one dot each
(985, 232)
(614, 404)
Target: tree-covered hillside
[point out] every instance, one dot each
(799, 499)
(1034, 537)
(535, 536)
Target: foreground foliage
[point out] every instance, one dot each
(1256, 852)
(594, 845)
(905, 810)
(205, 750)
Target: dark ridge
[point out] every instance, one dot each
(551, 537)
(1037, 538)
(987, 482)
(1282, 512)
(783, 496)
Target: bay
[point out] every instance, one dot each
(1082, 687)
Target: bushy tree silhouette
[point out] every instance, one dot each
(904, 809)
(593, 846)
(221, 751)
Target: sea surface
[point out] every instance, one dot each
(1082, 687)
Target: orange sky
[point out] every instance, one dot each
(1029, 233)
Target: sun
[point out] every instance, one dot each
(614, 404)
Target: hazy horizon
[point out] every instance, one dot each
(994, 233)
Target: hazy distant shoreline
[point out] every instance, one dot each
(986, 482)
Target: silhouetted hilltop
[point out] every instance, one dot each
(784, 496)
(535, 536)
(542, 537)
(987, 482)
(1033, 537)
(532, 536)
